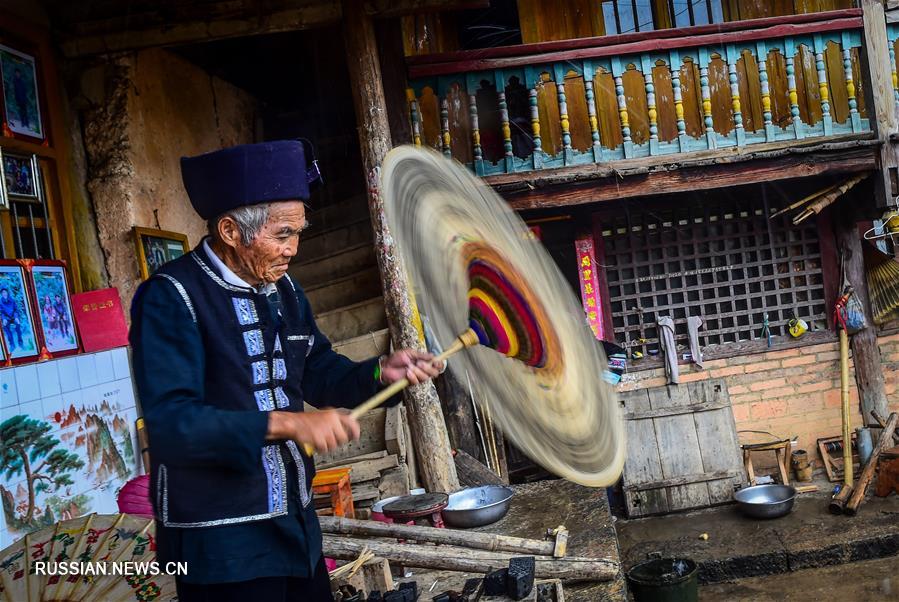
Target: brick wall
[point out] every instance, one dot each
(787, 392)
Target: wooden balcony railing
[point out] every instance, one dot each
(543, 106)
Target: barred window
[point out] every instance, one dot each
(723, 261)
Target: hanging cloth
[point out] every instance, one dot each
(669, 348)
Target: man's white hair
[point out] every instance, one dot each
(249, 219)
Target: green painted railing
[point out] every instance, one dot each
(712, 89)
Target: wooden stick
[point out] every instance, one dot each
(886, 437)
(469, 338)
(336, 525)
(466, 560)
(880, 421)
(804, 200)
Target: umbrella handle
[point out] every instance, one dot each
(469, 338)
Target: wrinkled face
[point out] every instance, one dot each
(266, 259)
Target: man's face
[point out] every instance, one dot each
(269, 255)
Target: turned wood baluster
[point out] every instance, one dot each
(675, 64)
(589, 72)
(790, 54)
(567, 152)
(736, 108)
(823, 90)
(504, 119)
(445, 139)
(651, 111)
(415, 115)
(477, 151)
(854, 116)
(628, 143)
(704, 60)
(761, 53)
(894, 73)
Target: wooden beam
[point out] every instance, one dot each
(866, 358)
(637, 47)
(879, 98)
(218, 21)
(610, 184)
(616, 40)
(427, 426)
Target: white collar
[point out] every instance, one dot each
(230, 277)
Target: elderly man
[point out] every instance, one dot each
(225, 352)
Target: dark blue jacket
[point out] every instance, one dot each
(210, 361)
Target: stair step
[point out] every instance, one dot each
(365, 346)
(332, 241)
(343, 262)
(345, 290)
(353, 320)
(335, 215)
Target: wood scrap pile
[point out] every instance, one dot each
(456, 550)
(850, 498)
(379, 461)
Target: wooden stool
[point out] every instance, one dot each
(780, 448)
(335, 483)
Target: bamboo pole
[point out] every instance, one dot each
(336, 525)
(466, 560)
(844, 398)
(886, 438)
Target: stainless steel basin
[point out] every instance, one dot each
(766, 501)
(477, 506)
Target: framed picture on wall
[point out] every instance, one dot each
(50, 285)
(21, 101)
(20, 178)
(17, 324)
(157, 247)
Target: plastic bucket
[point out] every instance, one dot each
(664, 580)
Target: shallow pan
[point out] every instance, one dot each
(766, 501)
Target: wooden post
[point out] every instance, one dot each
(886, 439)
(880, 97)
(435, 461)
(865, 352)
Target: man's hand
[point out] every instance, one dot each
(324, 430)
(417, 366)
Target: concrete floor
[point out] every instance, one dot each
(738, 547)
(856, 582)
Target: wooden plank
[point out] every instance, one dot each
(643, 463)
(472, 473)
(684, 178)
(689, 479)
(371, 440)
(678, 446)
(395, 432)
(690, 409)
(638, 47)
(617, 40)
(371, 469)
(394, 482)
(718, 443)
(362, 458)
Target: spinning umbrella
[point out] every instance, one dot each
(486, 285)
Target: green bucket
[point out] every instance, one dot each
(664, 580)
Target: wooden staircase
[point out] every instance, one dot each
(336, 267)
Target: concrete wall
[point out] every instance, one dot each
(788, 392)
(148, 110)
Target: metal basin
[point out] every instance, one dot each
(766, 501)
(477, 506)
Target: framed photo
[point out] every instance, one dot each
(157, 247)
(17, 325)
(20, 177)
(52, 303)
(20, 93)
